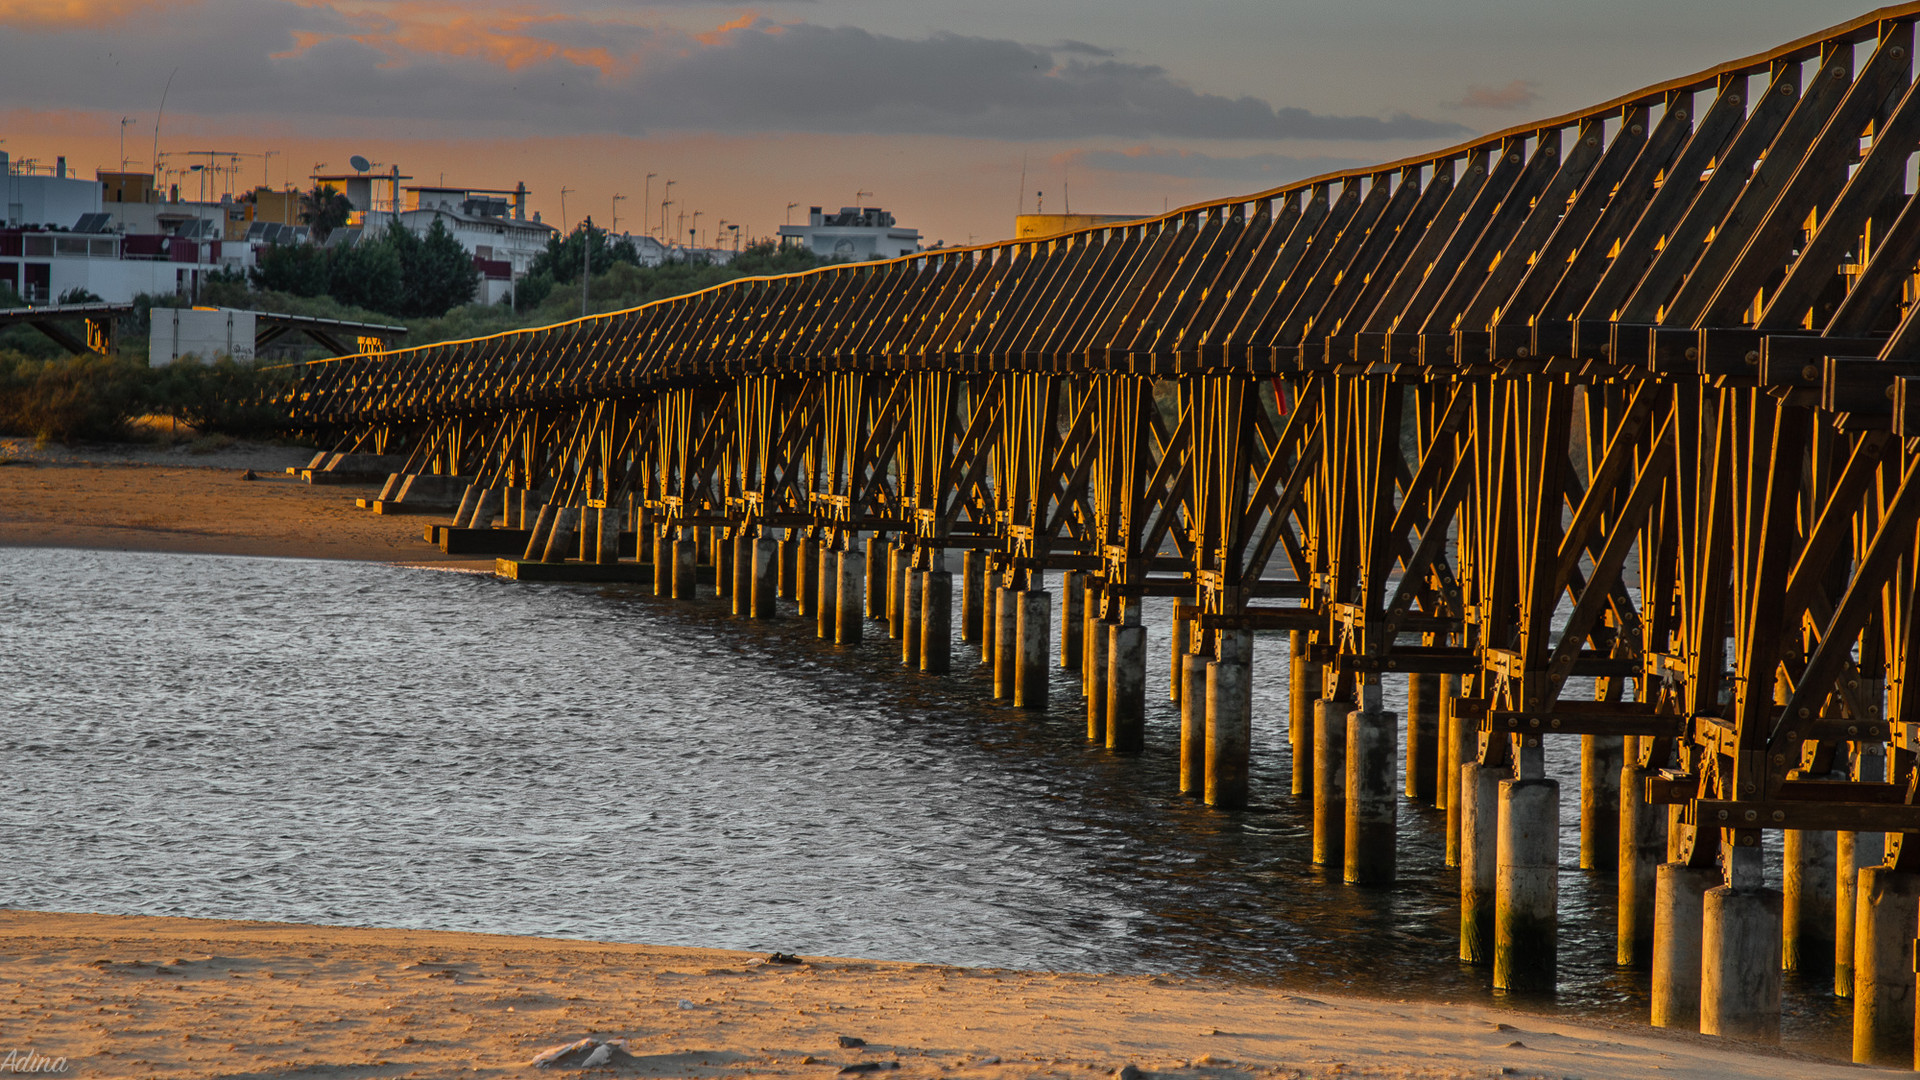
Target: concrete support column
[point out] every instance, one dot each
(1006, 641)
(1193, 724)
(1032, 623)
(875, 566)
(1740, 966)
(486, 507)
(468, 499)
(807, 570)
(1096, 658)
(537, 538)
(989, 622)
(1463, 748)
(510, 513)
(852, 596)
(1330, 782)
(1679, 893)
(1526, 919)
(766, 576)
(1423, 738)
(1181, 645)
(1372, 819)
(721, 548)
(563, 535)
(1643, 845)
(662, 562)
(972, 580)
(1073, 601)
(686, 566)
(1479, 858)
(1600, 757)
(936, 622)
(1806, 902)
(790, 566)
(898, 561)
(1301, 693)
(1127, 687)
(912, 593)
(606, 547)
(1228, 716)
(1852, 851)
(1886, 903)
(826, 613)
(741, 591)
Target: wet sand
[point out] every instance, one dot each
(140, 997)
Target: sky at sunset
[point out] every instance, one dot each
(936, 109)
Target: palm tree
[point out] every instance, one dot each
(324, 209)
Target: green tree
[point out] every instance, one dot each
(368, 275)
(300, 269)
(324, 209)
(439, 273)
(560, 262)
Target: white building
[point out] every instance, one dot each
(491, 223)
(858, 234)
(30, 197)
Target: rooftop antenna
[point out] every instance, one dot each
(161, 115)
(615, 226)
(125, 121)
(790, 207)
(666, 200)
(858, 196)
(646, 203)
(564, 192)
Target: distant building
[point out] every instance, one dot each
(855, 233)
(32, 197)
(491, 223)
(1034, 226)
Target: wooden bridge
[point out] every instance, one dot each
(1602, 427)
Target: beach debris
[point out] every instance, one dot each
(868, 1067)
(248, 475)
(587, 1053)
(1129, 1072)
(784, 958)
(546, 1059)
(685, 1004)
(848, 1042)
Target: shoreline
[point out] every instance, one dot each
(154, 996)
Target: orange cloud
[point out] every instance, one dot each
(61, 14)
(303, 40)
(719, 34)
(513, 36)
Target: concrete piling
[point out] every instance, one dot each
(1679, 893)
(972, 581)
(1852, 851)
(1423, 738)
(1127, 687)
(606, 547)
(662, 562)
(1479, 858)
(1330, 782)
(468, 500)
(1193, 724)
(1228, 717)
(1526, 924)
(899, 559)
(722, 550)
(875, 568)
(1181, 645)
(1301, 694)
(1740, 958)
(1073, 600)
(562, 534)
(1643, 846)
(936, 622)
(1806, 911)
(1032, 623)
(1600, 757)
(1370, 846)
(766, 576)
(686, 563)
(1463, 746)
(486, 507)
(989, 622)
(741, 592)
(537, 540)
(1886, 904)
(790, 566)
(848, 625)
(807, 571)
(1096, 658)
(827, 606)
(1006, 641)
(912, 594)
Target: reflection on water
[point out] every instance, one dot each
(349, 743)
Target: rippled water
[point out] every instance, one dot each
(362, 744)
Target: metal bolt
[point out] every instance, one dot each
(1779, 815)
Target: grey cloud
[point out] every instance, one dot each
(763, 78)
(1251, 170)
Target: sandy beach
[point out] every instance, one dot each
(154, 997)
(151, 997)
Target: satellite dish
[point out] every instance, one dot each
(359, 163)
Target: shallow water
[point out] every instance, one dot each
(361, 744)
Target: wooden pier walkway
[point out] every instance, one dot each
(1602, 427)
